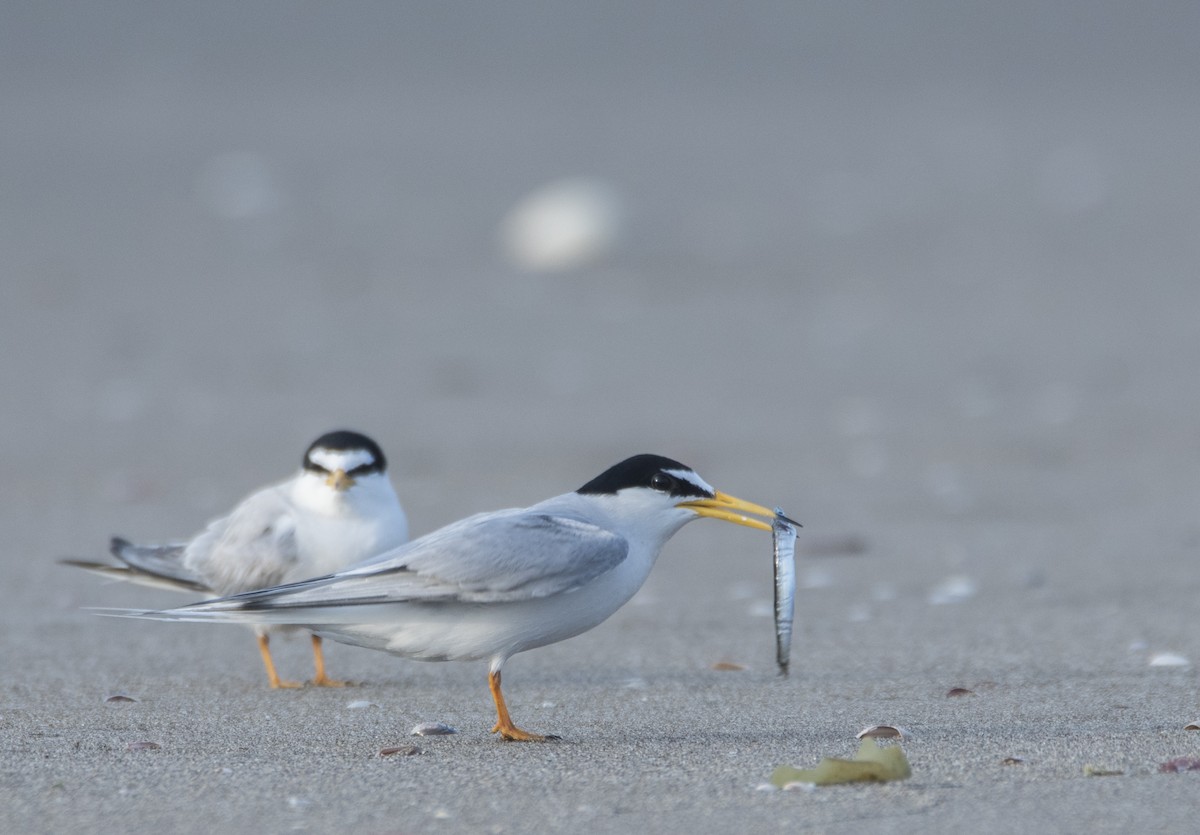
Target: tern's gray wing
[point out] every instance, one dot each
(252, 548)
(159, 566)
(493, 557)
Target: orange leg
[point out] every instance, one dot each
(504, 723)
(320, 679)
(264, 647)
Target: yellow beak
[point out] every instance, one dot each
(338, 480)
(724, 506)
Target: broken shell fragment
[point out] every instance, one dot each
(1194, 726)
(402, 750)
(432, 729)
(954, 692)
(119, 697)
(142, 746)
(884, 732)
(1012, 761)
(728, 666)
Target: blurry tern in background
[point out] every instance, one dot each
(339, 510)
(499, 583)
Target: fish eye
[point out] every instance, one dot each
(662, 481)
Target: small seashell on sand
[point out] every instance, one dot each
(432, 729)
(1169, 659)
(884, 732)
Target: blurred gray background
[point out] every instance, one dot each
(924, 274)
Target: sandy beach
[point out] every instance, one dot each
(926, 279)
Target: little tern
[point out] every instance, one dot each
(495, 584)
(338, 510)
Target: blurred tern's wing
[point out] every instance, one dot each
(253, 547)
(157, 566)
(501, 557)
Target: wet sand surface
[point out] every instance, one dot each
(925, 280)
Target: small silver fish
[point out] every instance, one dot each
(784, 534)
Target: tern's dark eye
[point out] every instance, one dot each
(662, 481)
(362, 469)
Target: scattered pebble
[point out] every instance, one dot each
(119, 697)
(402, 750)
(955, 692)
(142, 746)
(432, 729)
(954, 589)
(1179, 765)
(1012, 761)
(728, 666)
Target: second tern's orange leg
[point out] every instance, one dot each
(264, 647)
(320, 679)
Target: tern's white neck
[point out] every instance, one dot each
(371, 493)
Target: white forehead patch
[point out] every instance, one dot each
(340, 459)
(691, 477)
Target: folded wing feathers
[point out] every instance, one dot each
(487, 558)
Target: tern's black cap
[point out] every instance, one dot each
(345, 440)
(646, 470)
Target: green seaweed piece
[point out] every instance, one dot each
(872, 764)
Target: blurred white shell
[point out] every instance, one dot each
(1168, 659)
(564, 225)
(953, 589)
